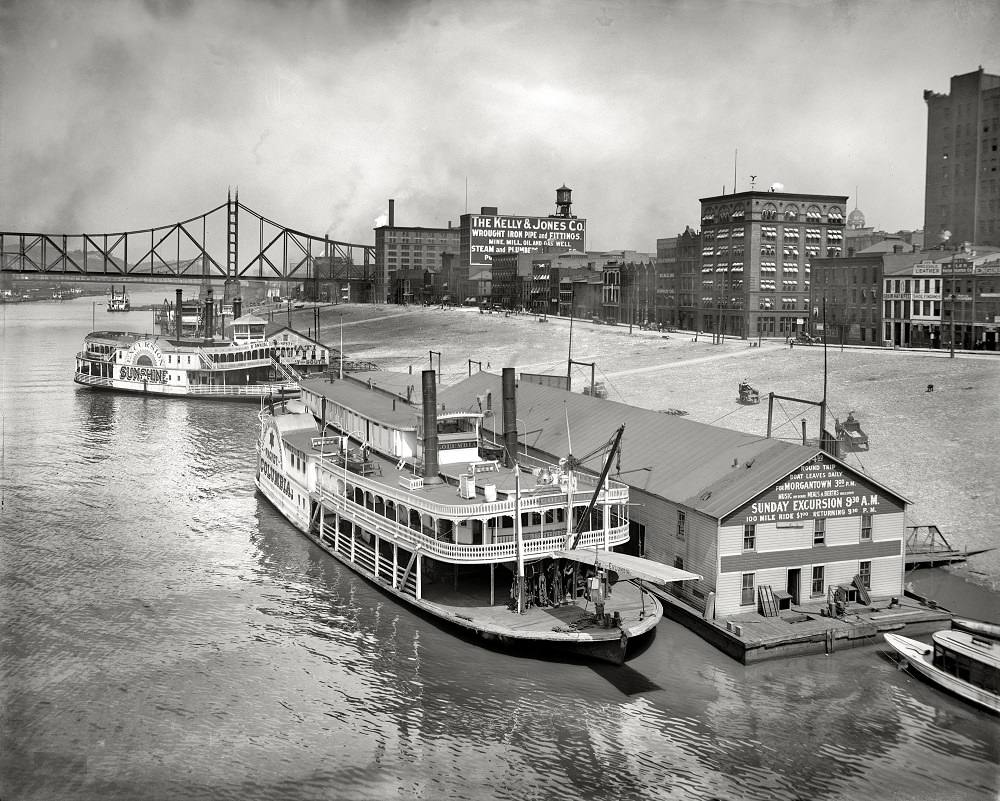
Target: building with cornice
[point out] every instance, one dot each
(756, 249)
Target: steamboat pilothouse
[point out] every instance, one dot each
(409, 496)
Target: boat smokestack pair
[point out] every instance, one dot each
(429, 398)
(509, 391)
(177, 314)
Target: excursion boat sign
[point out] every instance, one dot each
(820, 488)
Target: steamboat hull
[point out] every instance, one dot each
(253, 393)
(570, 629)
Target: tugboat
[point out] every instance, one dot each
(519, 554)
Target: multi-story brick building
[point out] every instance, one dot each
(962, 190)
(756, 251)
(488, 233)
(403, 254)
(845, 299)
(678, 285)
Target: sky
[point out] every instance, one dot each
(121, 115)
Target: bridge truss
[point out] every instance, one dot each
(202, 248)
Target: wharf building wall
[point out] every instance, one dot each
(813, 553)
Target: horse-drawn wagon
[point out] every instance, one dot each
(850, 433)
(748, 394)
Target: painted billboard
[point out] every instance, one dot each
(820, 488)
(496, 233)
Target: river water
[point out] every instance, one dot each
(167, 635)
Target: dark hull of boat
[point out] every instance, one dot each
(610, 644)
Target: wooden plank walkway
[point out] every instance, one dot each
(750, 637)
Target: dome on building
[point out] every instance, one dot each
(856, 219)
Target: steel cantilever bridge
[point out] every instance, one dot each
(206, 247)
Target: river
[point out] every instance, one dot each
(167, 635)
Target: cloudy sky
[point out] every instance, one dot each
(122, 115)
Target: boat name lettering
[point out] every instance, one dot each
(276, 478)
(147, 374)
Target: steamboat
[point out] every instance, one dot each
(116, 302)
(515, 551)
(248, 366)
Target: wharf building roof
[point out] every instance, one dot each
(709, 469)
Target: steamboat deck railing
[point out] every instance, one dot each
(533, 543)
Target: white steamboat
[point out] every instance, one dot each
(519, 554)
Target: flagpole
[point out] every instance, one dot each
(519, 541)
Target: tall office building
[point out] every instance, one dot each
(962, 194)
(756, 249)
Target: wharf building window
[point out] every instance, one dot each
(866, 527)
(817, 581)
(819, 531)
(746, 591)
(681, 523)
(865, 574)
(749, 536)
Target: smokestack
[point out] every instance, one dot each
(430, 428)
(237, 308)
(509, 417)
(392, 213)
(209, 315)
(177, 314)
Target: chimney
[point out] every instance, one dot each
(897, 248)
(430, 429)
(509, 416)
(177, 315)
(392, 213)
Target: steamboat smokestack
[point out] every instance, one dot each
(209, 315)
(237, 308)
(430, 428)
(509, 416)
(177, 314)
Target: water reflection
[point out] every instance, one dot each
(166, 634)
